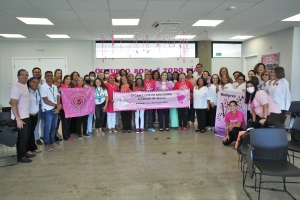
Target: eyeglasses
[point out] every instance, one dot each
(240, 79)
(265, 74)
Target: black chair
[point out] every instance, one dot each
(278, 125)
(294, 143)
(5, 120)
(274, 117)
(6, 109)
(268, 153)
(8, 139)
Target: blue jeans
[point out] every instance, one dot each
(40, 121)
(50, 120)
(90, 123)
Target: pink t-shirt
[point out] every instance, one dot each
(110, 90)
(20, 92)
(149, 85)
(234, 119)
(261, 98)
(136, 89)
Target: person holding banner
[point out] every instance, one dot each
(201, 98)
(213, 90)
(226, 82)
(65, 122)
(241, 83)
(235, 76)
(125, 86)
(139, 114)
(234, 120)
(163, 85)
(183, 84)
(101, 100)
(149, 86)
(191, 116)
(261, 104)
(111, 114)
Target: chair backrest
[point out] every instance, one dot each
(270, 144)
(7, 137)
(249, 159)
(278, 125)
(5, 115)
(6, 109)
(275, 117)
(295, 134)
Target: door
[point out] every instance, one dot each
(249, 63)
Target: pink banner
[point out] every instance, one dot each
(151, 100)
(78, 101)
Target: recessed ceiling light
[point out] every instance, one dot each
(35, 21)
(12, 35)
(123, 36)
(241, 37)
(58, 36)
(294, 18)
(125, 22)
(208, 22)
(184, 36)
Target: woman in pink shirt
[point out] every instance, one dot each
(149, 85)
(234, 120)
(111, 114)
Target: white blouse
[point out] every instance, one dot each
(280, 93)
(228, 86)
(35, 99)
(200, 97)
(213, 94)
(241, 87)
(235, 84)
(265, 86)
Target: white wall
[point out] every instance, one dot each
(79, 56)
(296, 66)
(233, 64)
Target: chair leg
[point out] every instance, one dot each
(293, 156)
(259, 187)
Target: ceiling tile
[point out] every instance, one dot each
(59, 14)
(95, 22)
(89, 5)
(24, 13)
(50, 5)
(103, 15)
(164, 5)
(200, 6)
(150, 17)
(130, 14)
(239, 7)
(192, 15)
(16, 4)
(127, 5)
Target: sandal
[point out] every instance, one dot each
(129, 131)
(123, 131)
(203, 131)
(167, 129)
(37, 151)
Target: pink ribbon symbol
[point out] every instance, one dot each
(180, 98)
(78, 102)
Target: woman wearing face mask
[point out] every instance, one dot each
(163, 114)
(65, 122)
(138, 75)
(183, 84)
(234, 120)
(106, 75)
(213, 90)
(279, 90)
(170, 76)
(35, 98)
(260, 102)
(266, 77)
(118, 78)
(226, 83)
(92, 75)
(250, 74)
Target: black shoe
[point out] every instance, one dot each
(24, 160)
(86, 135)
(42, 138)
(30, 155)
(39, 142)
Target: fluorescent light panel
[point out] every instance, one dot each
(123, 36)
(12, 35)
(57, 36)
(35, 21)
(208, 22)
(125, 22)
(241, 37)
(184, 36)
(295, 18)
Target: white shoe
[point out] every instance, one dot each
(208, 128)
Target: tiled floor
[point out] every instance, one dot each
(132, 167)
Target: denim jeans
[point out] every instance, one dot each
(39, 122)
(50, 120)
(90, 123)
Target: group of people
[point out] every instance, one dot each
(37, 104)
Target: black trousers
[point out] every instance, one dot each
(163, 118)
(73, 127)
(233, 135)
(126, 119)
(182, 116)
(191, 115)
(201, 118)
(105, 119)
(31, 146)
(81, 120)
(65, 125)
(213, 112)
(99, 115)
(23, 137)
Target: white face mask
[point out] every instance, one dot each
(138, 77)
(250, 90)
(92, 78)
(175, 81)
(119, 78)
(106, 75)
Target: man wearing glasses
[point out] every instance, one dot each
(149, 85)
(199, 71)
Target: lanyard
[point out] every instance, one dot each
(54, 99)
(35, 93)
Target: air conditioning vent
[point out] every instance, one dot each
(166, 25)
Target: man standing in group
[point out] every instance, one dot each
(20, 105)
(50, 109)
(37, 72)
(199, 71)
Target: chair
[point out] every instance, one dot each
(6, 109)
(278, 125)
(294, 143)
(274, 117)
(268, 153)
(8, 139)
(7, 121)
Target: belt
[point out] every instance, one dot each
(32, 115)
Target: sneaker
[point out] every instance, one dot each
(114, 130)
(86, 135)
(109, 131)
(179, 129)
(80, 137)
(151, 129)
(137, 131)
(184, 129)
(142, 131)
(208, 128)
(42, 138)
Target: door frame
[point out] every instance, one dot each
(244, 61)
